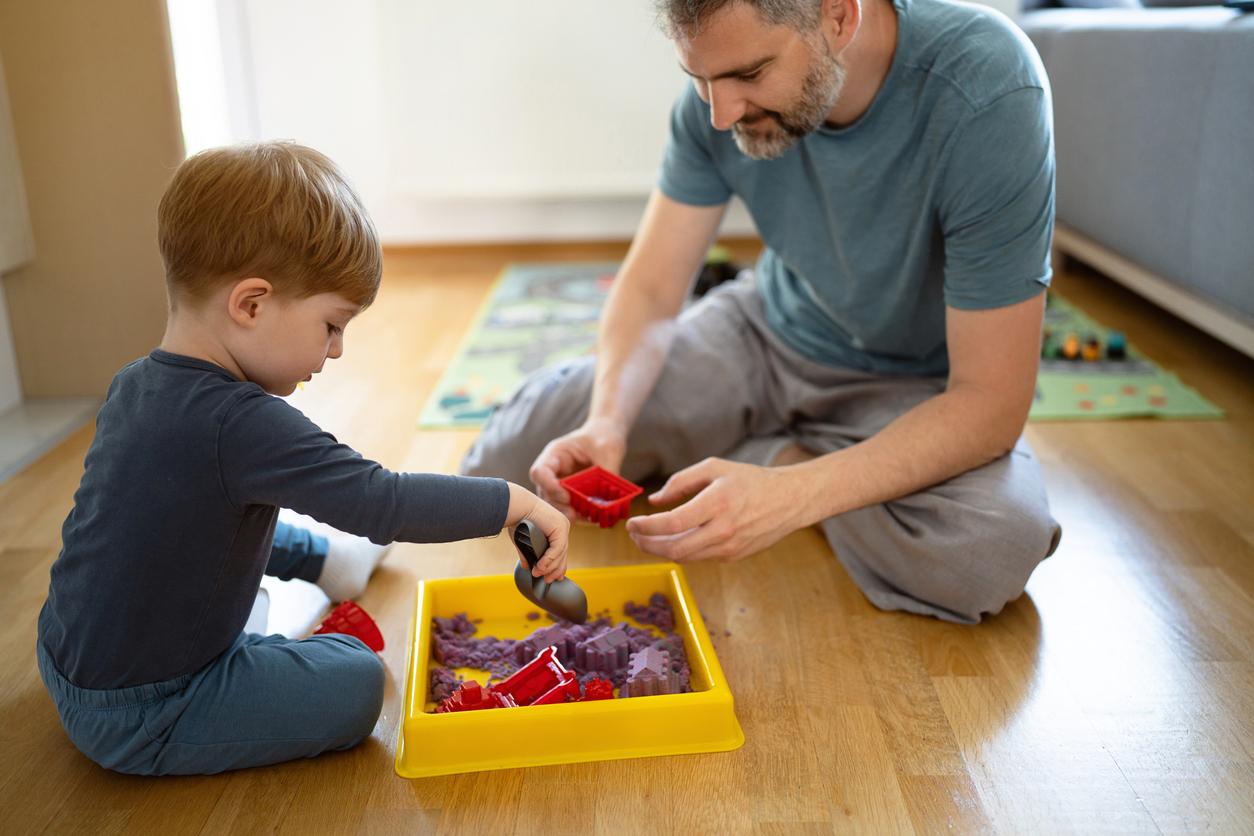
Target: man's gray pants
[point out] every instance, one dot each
(732, 389)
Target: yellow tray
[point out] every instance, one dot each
(672, 724)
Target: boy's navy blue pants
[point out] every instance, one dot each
(264, 700)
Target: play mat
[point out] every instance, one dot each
(539, 314)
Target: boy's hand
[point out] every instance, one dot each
(524, 505)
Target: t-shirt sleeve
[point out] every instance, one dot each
(997, 203)
(269, 453)
(689, 173)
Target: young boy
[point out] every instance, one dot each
(269, 255)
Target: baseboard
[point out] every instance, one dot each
(1232, 328)
(555, 219)
(35, 426)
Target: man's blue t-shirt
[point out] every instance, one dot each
(942, 193)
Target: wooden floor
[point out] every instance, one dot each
(1117, 695)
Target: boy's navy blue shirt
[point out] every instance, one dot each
(172, 524)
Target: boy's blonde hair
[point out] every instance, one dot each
(276, 210)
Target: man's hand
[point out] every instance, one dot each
(596, 442)
(738, 510)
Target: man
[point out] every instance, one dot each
(874, 375)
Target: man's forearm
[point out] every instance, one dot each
(648, 294)
(949, 434)
(636, 336)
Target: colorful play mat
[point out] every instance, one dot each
(539, 314)
(1089, 371)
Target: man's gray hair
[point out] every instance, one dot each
(687, 17)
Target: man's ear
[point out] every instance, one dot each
(838, 20)
(246, 299)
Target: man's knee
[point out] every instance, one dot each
(499, 456)
(978, 573)
(550, 403)
(955, 566)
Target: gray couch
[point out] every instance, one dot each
(1154, 123)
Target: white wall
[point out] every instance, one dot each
(494, 120)
(16, 244)
(1010, 8)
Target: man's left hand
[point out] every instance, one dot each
(736, 510)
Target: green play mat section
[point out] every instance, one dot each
(1132, 387)
(540, 314)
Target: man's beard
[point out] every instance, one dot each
(774, 133)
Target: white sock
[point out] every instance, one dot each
(350, 563)
(260, 614)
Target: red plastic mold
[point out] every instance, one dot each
(598, 689)
(352, 620)
(601, 496)
(541, 681)
(471, 696)
(566, 688)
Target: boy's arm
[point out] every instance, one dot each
(269, 453)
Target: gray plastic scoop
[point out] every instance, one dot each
(562, 599)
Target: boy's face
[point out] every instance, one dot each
(293, 339)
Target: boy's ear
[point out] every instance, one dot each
(246, 298)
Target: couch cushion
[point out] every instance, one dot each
(1153, 119)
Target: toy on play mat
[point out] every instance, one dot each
(1088, 371)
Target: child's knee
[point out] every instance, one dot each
(373, 679)
(357, 687)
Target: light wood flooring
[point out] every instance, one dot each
(1116, 696)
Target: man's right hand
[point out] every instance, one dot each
(598, 442)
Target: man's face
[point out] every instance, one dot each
(769, 85)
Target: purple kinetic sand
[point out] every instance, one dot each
(597, 649)
(454, 643)
(658, 612)
(443, 683)
(533, 616)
